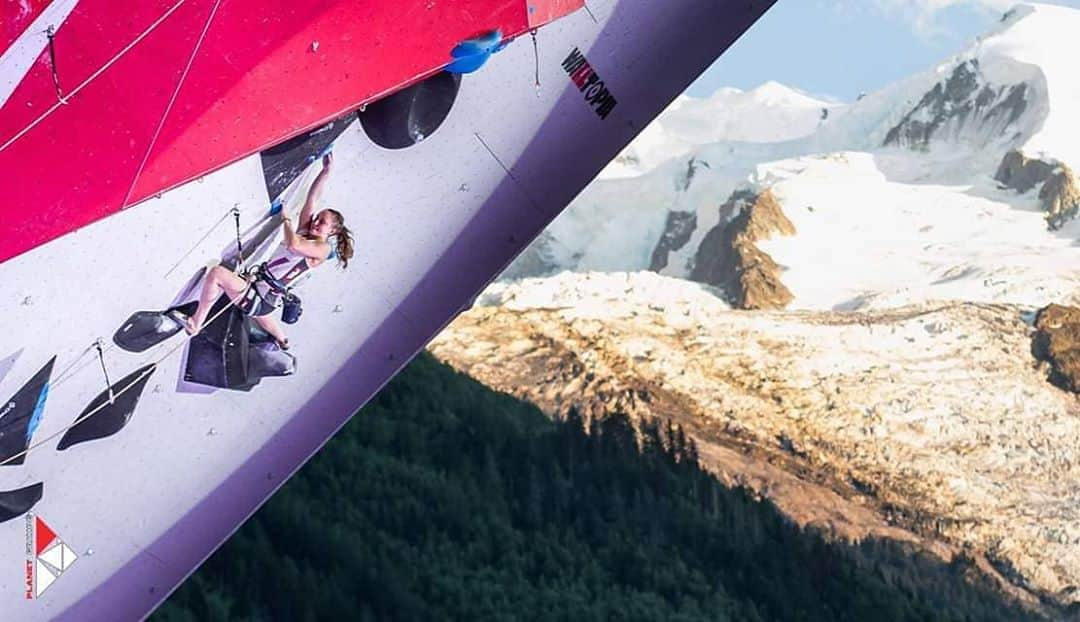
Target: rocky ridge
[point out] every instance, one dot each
(931, 422)
(1057, 341)
(728, 256)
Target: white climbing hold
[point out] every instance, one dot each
(212, 432)
(89, 552)
(314, 46)
(338, 309)
(27, 301)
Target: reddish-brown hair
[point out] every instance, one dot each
(343, 240)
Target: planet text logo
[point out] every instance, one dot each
(47, 556)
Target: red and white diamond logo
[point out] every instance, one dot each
(51, 556)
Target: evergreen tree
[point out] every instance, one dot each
(443, 500)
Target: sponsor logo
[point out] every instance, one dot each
(589, 83)
(47, 556)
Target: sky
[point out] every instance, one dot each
(836, 49)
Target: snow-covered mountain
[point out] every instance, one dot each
(955, 183)
(769, 113)
(911, 235)
(931, 424)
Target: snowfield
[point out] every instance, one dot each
(893, 196)
(903, 361)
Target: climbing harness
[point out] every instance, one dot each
(255, 303)
(291, 312)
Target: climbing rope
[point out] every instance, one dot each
(153, 366)
(172, 100)
(71, 370)
(201, 240)
(62, 375)
(94, 75)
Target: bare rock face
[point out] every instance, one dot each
(962, 101)
(1021, 173)
(928, 423)
(1060, 197)
(728, 257)
(1058, 342)
(677, 231)
(1060, 193)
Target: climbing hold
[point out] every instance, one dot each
(18, 502)
(409, 116)
(471, 54)
(20, 416)
(104, 417)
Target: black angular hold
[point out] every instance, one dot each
(267, 359)
(20, 416)
(145, 329)
(15, 503)
(112, 417)
(218, 356)
(287, 160)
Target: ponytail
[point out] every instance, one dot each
(343, 241)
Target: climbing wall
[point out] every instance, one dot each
(144, 498)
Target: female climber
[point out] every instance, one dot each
(305, 247)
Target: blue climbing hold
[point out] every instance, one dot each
(471, 54)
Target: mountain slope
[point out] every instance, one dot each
(955, 183)
(933, 417)
(444, 500)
